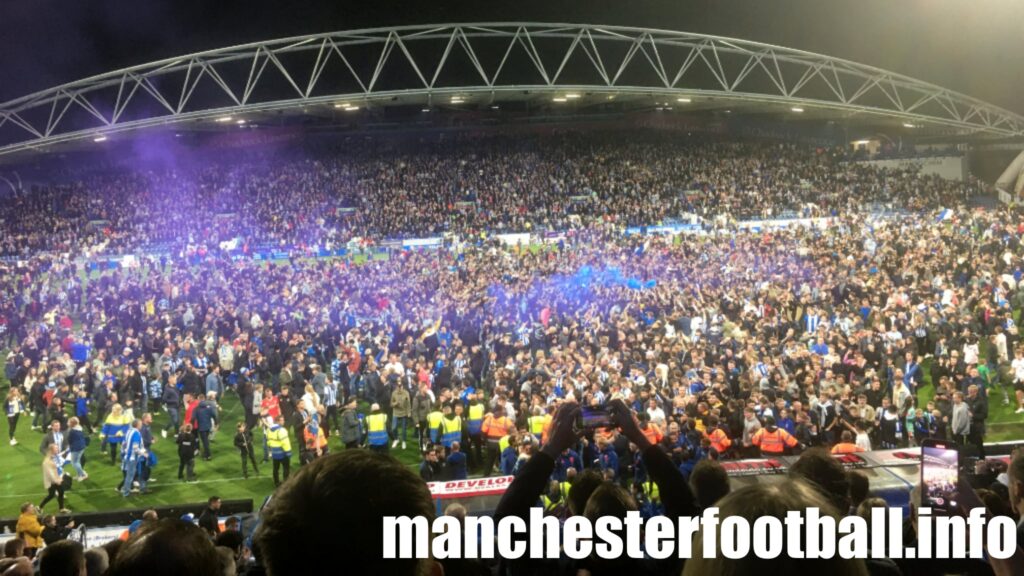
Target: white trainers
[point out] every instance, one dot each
(1017, 411)
(163, 433)
(394, 444)
(14, 442)
(403, 444)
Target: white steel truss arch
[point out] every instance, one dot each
(382, 64)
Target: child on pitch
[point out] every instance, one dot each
(243, 441)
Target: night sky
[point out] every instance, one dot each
(973, 46)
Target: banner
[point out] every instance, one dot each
(470, 487)
(754, 467)
(422, 242)
(522, 238)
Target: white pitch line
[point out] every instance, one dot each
(152, 488)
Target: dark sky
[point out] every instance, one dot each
(973, 46)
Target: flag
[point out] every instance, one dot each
(432, 329)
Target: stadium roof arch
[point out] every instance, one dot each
(482, 64)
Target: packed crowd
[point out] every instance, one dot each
(722, 345)
(465, 184)
(357, 489)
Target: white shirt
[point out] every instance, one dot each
(657, 416)
(971, 353)
(864, 441)
(395, 367)
(697, 323)
(1001, 347)
(1018, 369)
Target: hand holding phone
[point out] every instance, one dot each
(940, 475)
(592, 417)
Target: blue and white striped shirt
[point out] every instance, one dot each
(812, 323)
(459, 365)
(330, 394)
(762, 369)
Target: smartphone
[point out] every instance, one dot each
(940, 474)
(595, 417)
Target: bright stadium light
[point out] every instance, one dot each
(908, 125)
(797, 109)
(240, 122)
(683, 100)
(558, 99)
(495, 107)
(861, 142)
(100, 139)
(571, 96)
(351, 108)
(425, 110)
(457, 100)
(223, 119)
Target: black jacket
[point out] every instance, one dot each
(208, 521)
(186, 445)
(525, 491)
(243, 441)
(53, 534)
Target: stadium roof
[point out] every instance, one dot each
(563, 68)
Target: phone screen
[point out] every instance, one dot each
(594, 418)
(939, 476)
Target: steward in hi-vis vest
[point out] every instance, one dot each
(377, 429)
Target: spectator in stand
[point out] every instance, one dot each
(709, 482)
(358, 485)
(14, 548)
(208, 520)
(1015, 482)
(53, 532)
(63, 558)
(752, 502)
(168, 547)
(29, 529)
(97, 562)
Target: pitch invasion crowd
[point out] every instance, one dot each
(466, 184)
(725, 345)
